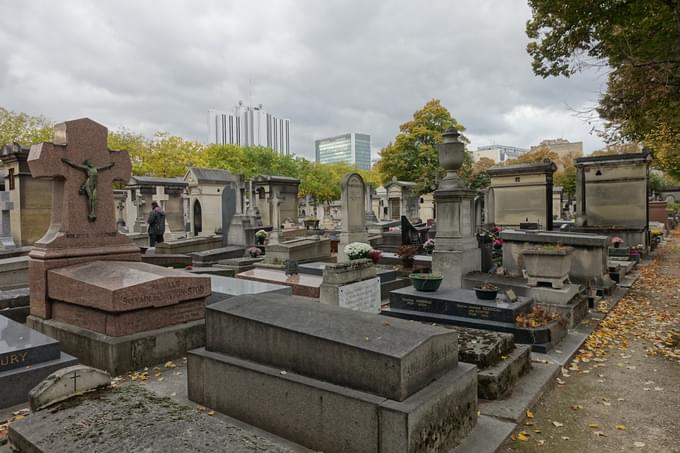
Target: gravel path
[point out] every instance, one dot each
(622, 391)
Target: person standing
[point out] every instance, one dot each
(156, 224)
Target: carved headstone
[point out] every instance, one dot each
(353, 197)
(82, 226)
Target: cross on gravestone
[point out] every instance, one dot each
(79, 192)
(75, 377)
(5, 222)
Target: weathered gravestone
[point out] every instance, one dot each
(6, 206)
(352, 200)
(88, 288)
(228, 210)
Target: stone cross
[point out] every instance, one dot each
(139, 203)
(81, 142)
(160, 197)
(5, 222)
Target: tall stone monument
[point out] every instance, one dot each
(352, 199)
(87, 286)
(457, 252)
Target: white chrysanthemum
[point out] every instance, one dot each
(357, 250)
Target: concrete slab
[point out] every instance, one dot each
(359, 350)
(238, 287)
(132, 419)
(486, 436)
(301, 284)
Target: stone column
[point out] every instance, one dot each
(275, 217)
(5, 223)
(456, 250)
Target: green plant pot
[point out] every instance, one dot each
(429, 283)
(486, 294)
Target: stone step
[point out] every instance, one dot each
(208, 257)
(391, 358)
(497, 382)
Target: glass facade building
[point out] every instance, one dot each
(351, 148)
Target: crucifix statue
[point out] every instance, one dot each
(89, 187)
(80, 163)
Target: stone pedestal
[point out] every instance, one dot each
(352, 285)
(456, 252)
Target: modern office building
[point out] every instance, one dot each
(352, 148)
(497, 153)
(249, 126)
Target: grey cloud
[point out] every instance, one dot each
(331, 66)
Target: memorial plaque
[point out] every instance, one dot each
(458, 302)
(362, 296)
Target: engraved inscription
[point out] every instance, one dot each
(13, 359)
(362, 296)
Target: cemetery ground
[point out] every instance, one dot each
(620, 392)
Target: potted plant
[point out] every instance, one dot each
(407, 253)
(254, 252)
(426, 281)
(428, 246)
(260, 237)
(536, 317)
(486, 291)
(635, 253)
(375, 256)
(357, 250)
(616, 241)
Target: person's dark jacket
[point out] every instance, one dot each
(156, 222)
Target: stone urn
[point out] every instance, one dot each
(451, 155)
(550, 264)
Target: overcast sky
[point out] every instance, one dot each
(330, 66)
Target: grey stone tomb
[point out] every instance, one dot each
(331, 378)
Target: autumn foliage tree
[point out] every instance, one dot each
(23, 128)
(413, 155)
(639, 42)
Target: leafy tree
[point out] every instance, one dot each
(638, 40)
(535, 155)
(624, 148)
(479, 178)
(24, 129)
(413, 155)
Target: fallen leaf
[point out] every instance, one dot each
(558, 424)
(621, 427)
(606, 403)
(211, 413)
(638, 444)
(530, 414)
(560, 381)
(540, 442)
(522, 436)
(565, 438)
(599, 433)
(576, 407)
(658, 389)
(594, 425)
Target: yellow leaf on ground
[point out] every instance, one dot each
(211, 413)
(594, 425)
(530, 414)
(621, 427)
(522, 436)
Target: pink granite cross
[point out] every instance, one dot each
(84, 170)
